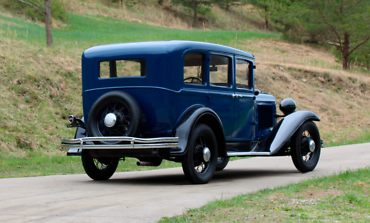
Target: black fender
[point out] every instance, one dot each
(193, 116)
(286, 128)
(80, 133)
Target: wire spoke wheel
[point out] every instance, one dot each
(123, 122)
(200, 164)
(99, 168)
(115, 113)
(101, 165)
(306, 147)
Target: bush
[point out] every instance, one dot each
(58, 10)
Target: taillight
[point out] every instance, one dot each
(71, 118)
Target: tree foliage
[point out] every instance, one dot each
(194, 5)
(343, 24)
(226, 4)
(58, 10)
(264, 6)
(38, 10)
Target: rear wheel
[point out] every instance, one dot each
(99, 168)
(306, 147)
(115, 113)
(200, 161)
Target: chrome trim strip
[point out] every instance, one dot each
(121, 146)
(248, 153)
(121, 138)
(134, 143)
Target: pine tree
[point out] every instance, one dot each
(343, 24)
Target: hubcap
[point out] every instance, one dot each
(206, 154)
(311, 145)
(110, 120)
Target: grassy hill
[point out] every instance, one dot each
(41, 86)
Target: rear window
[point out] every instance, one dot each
(123, 68)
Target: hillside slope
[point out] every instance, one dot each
(242, 17)
(41, 86)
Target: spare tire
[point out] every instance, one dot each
(115, 113)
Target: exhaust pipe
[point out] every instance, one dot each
(150, 163)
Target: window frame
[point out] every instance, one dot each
(204, 68)
(230, 70)
(143, 68)
(250, 75)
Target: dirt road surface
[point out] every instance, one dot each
(146, 196)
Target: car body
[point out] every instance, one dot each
(172, 100)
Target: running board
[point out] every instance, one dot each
(248, 153)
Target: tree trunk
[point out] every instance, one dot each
(345, 52)
(195, 13)
(266, 19)
(266, 22)
(47, 16)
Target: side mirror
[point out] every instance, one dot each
(256, 92)
(287, 106)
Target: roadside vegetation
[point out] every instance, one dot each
(339, 198)
(41, 86)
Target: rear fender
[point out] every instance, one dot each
(190, 119)
(286, 128)
(80, 133)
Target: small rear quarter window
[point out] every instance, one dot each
(123, 68)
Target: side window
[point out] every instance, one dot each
(194, 68)
(219, 72)
(123, 68)
(242, 73)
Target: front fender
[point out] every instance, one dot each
(190, 120)
(288, 126)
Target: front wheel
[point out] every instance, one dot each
(200, 161)
(99, 168)
(222, 163)
(306, 147)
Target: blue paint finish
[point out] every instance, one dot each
(162, 94)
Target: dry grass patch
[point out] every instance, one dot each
(38, 91)
(340, 98)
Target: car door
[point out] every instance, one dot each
(220, 89)
(244, 101)
(193, 90)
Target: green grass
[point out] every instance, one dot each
(339, 198)
(33, 164)
(363, 137)
(97, 30)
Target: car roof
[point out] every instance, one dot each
(157, 47)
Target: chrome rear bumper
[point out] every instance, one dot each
(133, 143)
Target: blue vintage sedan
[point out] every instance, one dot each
(183, 101)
